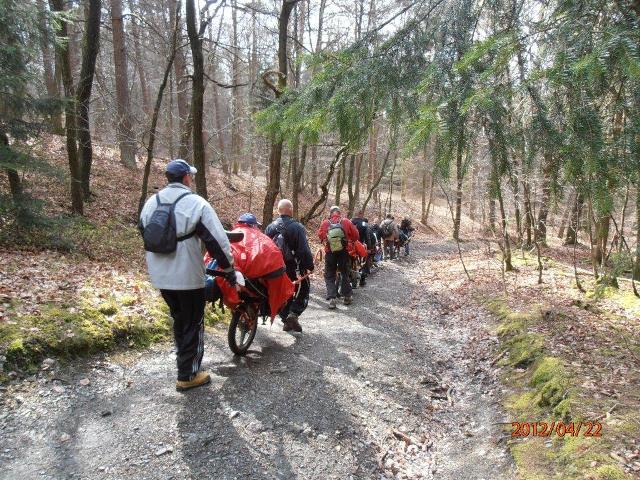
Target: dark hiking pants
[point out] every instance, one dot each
(298, 303)
(187, 311)
(334, 261)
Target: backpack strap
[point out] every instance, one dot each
(173, 206)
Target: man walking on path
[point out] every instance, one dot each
(335, 233)
(368, 240)
(173, 222)
(291, 237)
(389, 234)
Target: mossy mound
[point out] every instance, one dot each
(69, 332)
(543, 390)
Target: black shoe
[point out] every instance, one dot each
(363, 282)
(293, 323)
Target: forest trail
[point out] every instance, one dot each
(321, 405)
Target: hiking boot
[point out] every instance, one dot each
(332, 303)
(293, 323)
(286, 327)
(363, 282)
(199, 379)
(347, 300)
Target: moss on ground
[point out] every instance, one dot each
(544, 390)
(96, 323)
(70, 332)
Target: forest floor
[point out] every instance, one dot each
(420, 378)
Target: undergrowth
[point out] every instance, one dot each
(92, 325)
(544, 390)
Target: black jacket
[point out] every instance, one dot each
(362, 224)
(296, 238)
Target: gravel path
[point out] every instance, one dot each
(398, 385)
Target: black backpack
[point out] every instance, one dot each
(386, 229)
(281, 242)
(159, 234)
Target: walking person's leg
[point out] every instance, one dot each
(189, 336)
(172, 299)
(330, 269)
(344, 264)
(296, 305)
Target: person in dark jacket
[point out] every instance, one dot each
(368, 240)
(291, 237)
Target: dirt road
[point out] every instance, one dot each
(398, 385)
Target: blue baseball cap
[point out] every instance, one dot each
(249, 219)
(179, 167)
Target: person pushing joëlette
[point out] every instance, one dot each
(291, 238)
(173, 222)
(335, 233)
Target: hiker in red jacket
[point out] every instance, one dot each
(335, 234)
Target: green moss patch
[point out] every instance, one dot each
(543, 389)
(70, 332)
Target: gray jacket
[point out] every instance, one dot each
(184, 268)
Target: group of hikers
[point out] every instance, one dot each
(174, 221)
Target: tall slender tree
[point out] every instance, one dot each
(126, 139)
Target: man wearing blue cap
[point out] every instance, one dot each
(173, 222)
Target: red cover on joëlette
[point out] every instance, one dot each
(357, 249)
(255, 256)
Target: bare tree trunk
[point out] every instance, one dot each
(636, 271)
(15, 184)
(431, 190)
(543, 212)
(156, 109)
(377, 181)
(236, 111)
(324, 188)
(253, 73)
(340, 183)
(373, 154)
(181, 85)
(357, 180)
(602, 238)
(528, 213)
(296, 181)
(197, 97)
(574, 223)
(172, 148)
(404, 180)
(144, 85)
(459, 179)
(566, 216)
(350, 187)
(64, 60)
(124, 131)
(275, 157)
(215, 96)
(505, 234)
(53, 90)
(219, 131)
(90, 47)
(314, 170)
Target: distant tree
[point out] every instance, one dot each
(125, 134)
(64, 60)
(21, 113)
(90, 47)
